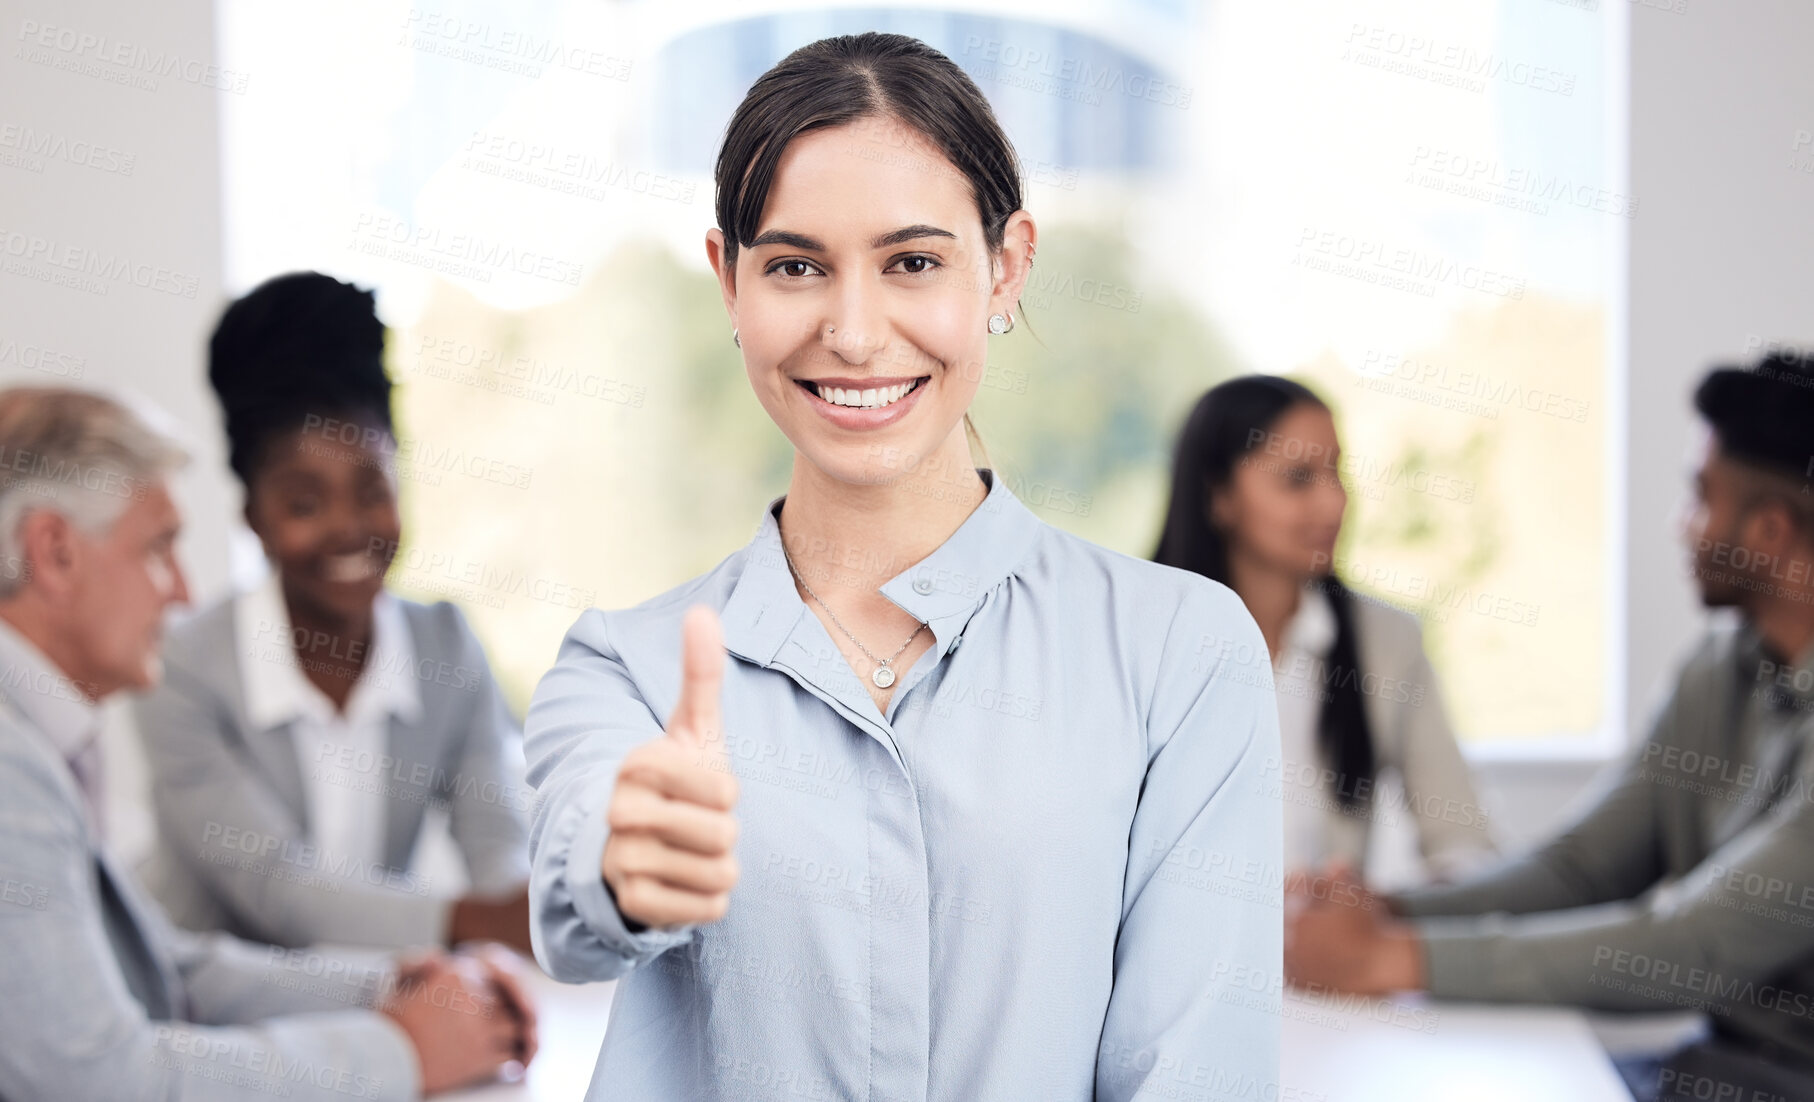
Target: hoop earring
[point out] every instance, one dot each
(1001, 323)
(734, 338)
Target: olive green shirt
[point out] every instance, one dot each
(1687, 882)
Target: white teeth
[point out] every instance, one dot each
(871, 398)
(356, 567)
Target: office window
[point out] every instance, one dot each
(1418, 209)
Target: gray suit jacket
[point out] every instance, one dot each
(106, 1000)
(1686, 883)
(232, 812)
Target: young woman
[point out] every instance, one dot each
(306, 726)
(972, 809)
(1257, 504)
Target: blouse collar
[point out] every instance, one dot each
(943, 589)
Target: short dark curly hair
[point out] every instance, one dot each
(1764, 415)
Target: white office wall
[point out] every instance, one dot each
(1722, 255)
(116, 96)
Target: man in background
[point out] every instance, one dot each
(104, 998)
(1688, 882)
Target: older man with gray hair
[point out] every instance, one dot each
(106, 998)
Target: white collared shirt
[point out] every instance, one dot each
(341, 754)
(1421, 816)
(52, 704)
(1308, 638)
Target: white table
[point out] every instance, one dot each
(1336, 1049)
(1349, 1049)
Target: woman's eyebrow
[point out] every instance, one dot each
(909, 233)
(789, 238)
(813, 244)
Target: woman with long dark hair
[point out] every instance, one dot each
(1257, 504)
(973, 808)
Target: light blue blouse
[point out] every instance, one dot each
(1050, 872)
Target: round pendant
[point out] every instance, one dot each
(883, 677)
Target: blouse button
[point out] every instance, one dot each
(922, 586)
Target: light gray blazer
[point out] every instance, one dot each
(106, 1000)
(232, 810)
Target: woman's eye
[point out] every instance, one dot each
(793, 269)
(917, 265)
(302, 506)
(1298, 476)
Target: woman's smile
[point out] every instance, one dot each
(862, 403)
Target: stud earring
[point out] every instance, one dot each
(735, 340)
(1001, 323)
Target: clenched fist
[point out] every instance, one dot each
(668, 857)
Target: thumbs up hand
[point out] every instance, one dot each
(668, 857)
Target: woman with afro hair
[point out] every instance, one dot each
(304, 727)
